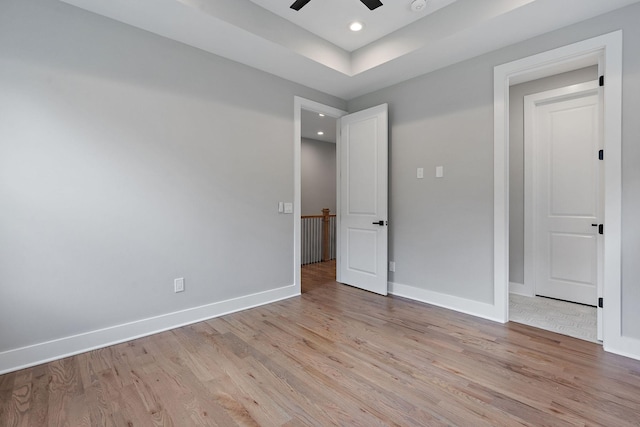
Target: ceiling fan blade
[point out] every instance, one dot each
(372, 4)
(299, 4)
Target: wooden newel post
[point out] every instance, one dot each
(326, 256)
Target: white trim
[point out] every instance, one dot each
(338, 199)
(609, 46)
(563, 92)
(520, 289)
(451, 302)
(299, 104)
(626, 346)
(528, 152)
(501, 196)
(25, 357)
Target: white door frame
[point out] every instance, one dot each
(299, 104)
(606, 51)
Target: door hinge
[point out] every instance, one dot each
(601, 155)
(601, 229)
(600, 302)
(601, 82)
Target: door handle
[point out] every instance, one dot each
(380, 223)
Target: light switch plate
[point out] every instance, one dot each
(280, 207)
(420, 173)
(439, 171)
(288, 208)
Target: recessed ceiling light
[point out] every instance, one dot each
(418, 5)
(321, 115)
(356, 26)
(320, 133)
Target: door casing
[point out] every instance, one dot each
(606, 51)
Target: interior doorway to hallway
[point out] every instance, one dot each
(318, 170)
(315, 191)
(363, 200)
(362, 194)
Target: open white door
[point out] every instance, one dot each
(564, 135)
(362, 201)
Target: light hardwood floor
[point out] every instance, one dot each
(334, 356)
(318, 274)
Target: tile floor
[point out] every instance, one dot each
(563, 317)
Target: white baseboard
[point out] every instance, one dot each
(467, 306)
(20, 358)
(520, 289)
(624, 346)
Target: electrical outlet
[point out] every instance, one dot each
(392, 266)
(178, 285)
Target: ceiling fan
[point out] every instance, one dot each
(371, 4)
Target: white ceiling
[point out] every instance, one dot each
(284, 45)
(330, 19)
(312, 123)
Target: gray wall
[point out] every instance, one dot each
(318, 176)
(441, 231)
(516, 157)
(127, 160)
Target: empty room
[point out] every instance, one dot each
(469, 169)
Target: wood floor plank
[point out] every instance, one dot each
(7, 382)
(39, 406)
(334, 356)
(17, 408)
(295, 380)
(67, 400)
(316, 275)
(393, 377)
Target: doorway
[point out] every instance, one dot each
(318, 199)
(362, 195)
(554, 125)
(307, 110)
(606, 52)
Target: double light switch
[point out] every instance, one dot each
(439, 172)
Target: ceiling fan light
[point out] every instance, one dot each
(356, 26)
